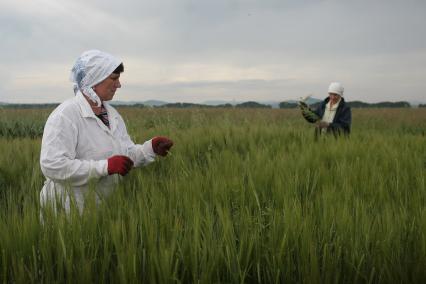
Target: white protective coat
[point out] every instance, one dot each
(75, 148)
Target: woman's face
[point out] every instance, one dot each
(107, 88)
(334, 98)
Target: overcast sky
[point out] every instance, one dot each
(204, 50)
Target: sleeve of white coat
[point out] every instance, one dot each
(57, 158)
(141, 155)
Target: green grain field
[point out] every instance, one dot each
(247, 196)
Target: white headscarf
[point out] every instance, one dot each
(91, 68)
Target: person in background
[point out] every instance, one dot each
(85, 138)
(332, 115)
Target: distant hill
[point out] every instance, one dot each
(219, 103)
(184, 105)
(287, 105)
(249, 104)
(359, 104)
(154, 103)
(145, 103)
(417, 103)
(252, 105)
(294, 104)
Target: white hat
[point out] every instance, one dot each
(336, 88)
(91, 68)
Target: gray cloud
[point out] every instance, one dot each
(376, 48)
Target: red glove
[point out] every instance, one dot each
(161, 145)
(119, 165)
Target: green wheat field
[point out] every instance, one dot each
(247, 196)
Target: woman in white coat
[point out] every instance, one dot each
(85, 139)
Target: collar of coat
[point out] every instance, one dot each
(86, 110)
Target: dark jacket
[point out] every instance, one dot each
(342, 120)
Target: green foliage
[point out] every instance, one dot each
(22, 123)
(20, 128)
(246, 196)
(308, 113)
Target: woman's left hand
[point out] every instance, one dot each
(161, 145)
(323, 124)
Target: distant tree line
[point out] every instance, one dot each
(249, 104)
(191, 105)
(287, 105)
(183, 105)
(28, 106)
(401, 104)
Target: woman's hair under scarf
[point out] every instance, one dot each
(91, 68)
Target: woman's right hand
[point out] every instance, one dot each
(119, 165)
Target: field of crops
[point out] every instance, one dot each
(246, 196)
